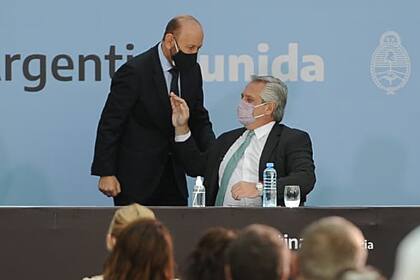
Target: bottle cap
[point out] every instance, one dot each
(270, 165)
(198, 181)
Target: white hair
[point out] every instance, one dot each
(408, 253)
(274, 91)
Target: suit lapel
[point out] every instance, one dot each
(229, 142)
(184, 84)
(187, 88)
(272, 141)
(165, 111)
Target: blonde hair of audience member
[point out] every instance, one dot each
(407, 260)
(330, 245)
(122, 217)
(143, 251)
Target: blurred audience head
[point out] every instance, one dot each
(330, 245)
(122, 217)
(366, 273)
(143, 251)
(258, 253)
(407, 260)
(207, 261)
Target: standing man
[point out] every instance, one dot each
(134, 146)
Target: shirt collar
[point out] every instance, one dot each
(264, 130)
(166, 66)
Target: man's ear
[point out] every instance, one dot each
(168, 40)
(270, 108)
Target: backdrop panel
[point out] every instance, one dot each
(351, 68)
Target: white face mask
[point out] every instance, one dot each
(245, 112)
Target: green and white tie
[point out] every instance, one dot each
(230, 167)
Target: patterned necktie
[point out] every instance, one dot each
(174, 82)
(230, 167)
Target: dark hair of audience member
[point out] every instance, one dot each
(143, 251)
(207, 261)
(258, 253)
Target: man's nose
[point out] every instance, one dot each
(194, 50)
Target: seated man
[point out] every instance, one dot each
(234, 164)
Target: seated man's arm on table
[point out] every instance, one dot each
(300, 165)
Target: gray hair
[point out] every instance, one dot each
(331, 245)
(274, 91)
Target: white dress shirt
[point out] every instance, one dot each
(166, 66)
(248, 165)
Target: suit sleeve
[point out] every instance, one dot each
(120, 101)
(201, 127)
(193, 160)
(300, 165)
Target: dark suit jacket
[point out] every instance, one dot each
(289, 149)
(135, 135)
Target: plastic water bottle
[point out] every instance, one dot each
(199, 194)
(270, 186)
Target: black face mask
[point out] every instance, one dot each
(184, 61)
